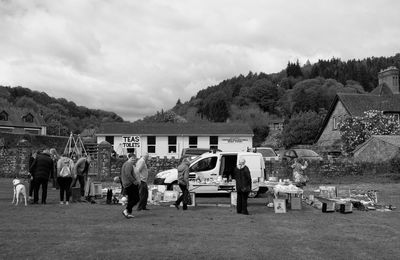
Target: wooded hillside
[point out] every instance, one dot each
(61, 116)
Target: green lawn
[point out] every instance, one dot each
(99, 231)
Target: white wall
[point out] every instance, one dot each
(225, 143)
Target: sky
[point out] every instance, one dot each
(136, 57)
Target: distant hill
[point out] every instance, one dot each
(61, 116)
(260, 98)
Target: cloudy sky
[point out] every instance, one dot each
(135, 57)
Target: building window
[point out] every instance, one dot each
(28, 118)
(192, 141)
(3, 116)
(171, 144)
(32, 131)
(213, 142)
(110, 139)
(151, 144)
(335, 123)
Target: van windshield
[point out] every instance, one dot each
(205, 164)
(266, 152)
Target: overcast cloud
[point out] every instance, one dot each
(137, 57)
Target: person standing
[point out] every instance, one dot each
(54, 156)
(143, 189)
(130, 182)
(31, 183)
(183, 181)
(65, 174)
(243, 186)
(81, 170)
(41, 169)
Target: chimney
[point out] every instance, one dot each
(390, 76)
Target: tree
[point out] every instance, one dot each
(356, 130)
(301, 128)
(215, 107)
(260, 133)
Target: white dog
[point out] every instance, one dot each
(19, 188)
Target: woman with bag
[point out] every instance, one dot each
(183, 181)
(65, 175)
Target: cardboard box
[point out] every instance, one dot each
(346, 208)
(295, 203)
(280, 205)
(328, 207)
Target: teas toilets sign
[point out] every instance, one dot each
(131, 141)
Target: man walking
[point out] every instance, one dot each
(41, 169)
(143, 189)
(130, 183)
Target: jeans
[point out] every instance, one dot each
(37, 182)
(81, 180)
(133, 196)
(65, 187)
(143, 195)
(241, 202)
(183, 197)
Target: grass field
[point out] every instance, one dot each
(99, 231)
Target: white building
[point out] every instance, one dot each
(168, 139)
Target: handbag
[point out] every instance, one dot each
(189, 199)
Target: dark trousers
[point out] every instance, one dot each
(241, 202)
(36, 183)
(65, 187)
(183, 197)
(31, 187)
(143, 195)
(81, 180)
(133, 196)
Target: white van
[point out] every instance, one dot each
(211, 167)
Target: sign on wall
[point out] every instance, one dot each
(235, 140)
(131, 141)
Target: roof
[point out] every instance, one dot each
(15, 117)
(390, 139)
(357, 104)
(194, 129)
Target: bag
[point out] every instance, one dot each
(65, 171)
(189, 199)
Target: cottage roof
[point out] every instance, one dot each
(390, 139)
(194, 129)
(357, 104)
(16, 117)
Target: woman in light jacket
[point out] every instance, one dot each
(65, 175)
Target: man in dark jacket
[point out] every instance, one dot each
(41, 169)
(243, 186)
(130, 182)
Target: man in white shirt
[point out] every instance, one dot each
(143, 189)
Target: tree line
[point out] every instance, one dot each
(61, 116)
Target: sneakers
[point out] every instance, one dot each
(62, 202)
(66, 203)
(176, 206)
(126, 214)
